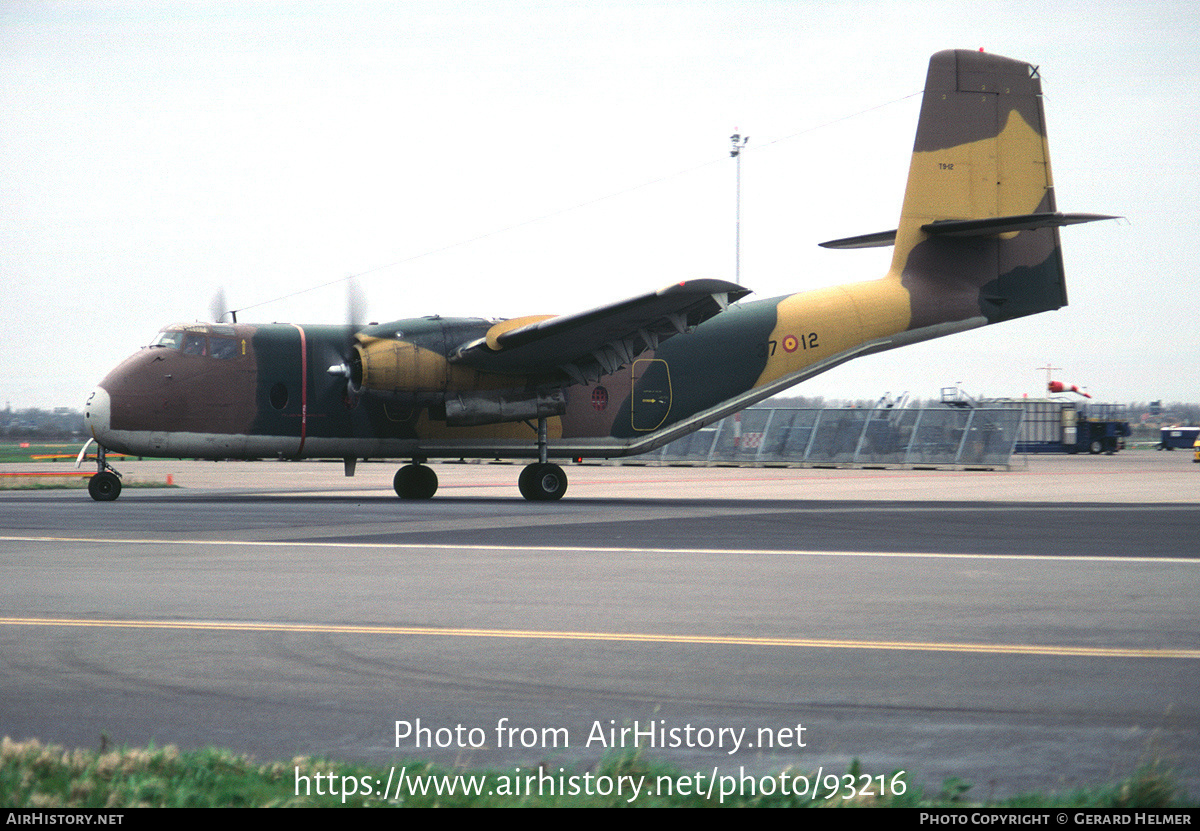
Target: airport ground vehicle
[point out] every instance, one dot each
(1171, 438)
(1052, 426)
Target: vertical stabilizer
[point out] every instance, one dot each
(980, 154)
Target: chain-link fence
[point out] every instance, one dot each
(917, 437)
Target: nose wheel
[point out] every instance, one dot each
(105, 485)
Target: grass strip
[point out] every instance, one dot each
(36, 775)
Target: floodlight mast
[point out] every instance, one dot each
(739, 142)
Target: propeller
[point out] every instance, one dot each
(356, 306)
(218, 307)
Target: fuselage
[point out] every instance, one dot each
(253, 391)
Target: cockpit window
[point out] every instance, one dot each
(220, 342)
(220, 347)
(194, 344)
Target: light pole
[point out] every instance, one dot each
(1049, 369)
(739, 141)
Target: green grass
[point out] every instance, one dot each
(14, 452)
(33, 775)
(11, 452)
(32, 483)
(63, 453)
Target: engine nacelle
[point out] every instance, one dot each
(482, 407)
(398, 370)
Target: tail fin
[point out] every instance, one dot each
(978, 233)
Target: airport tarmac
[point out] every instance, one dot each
(1028, 629)
(1133, 476)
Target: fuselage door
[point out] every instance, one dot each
(651, 399)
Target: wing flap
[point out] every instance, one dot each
(600, 341)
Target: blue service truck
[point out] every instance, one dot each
(1051, 426)
(1171, 438)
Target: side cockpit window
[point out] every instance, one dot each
(194, 343)
(220, 347)
(223, 342)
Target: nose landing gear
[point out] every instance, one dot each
(105, 485)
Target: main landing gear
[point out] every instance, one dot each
(105, 485)
(538, 482)
(542, 481)
(415, 481)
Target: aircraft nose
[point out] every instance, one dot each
(96, 413)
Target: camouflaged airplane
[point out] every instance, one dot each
(977, 243)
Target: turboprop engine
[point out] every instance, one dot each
(408, 372)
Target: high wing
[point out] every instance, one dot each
(586, 345)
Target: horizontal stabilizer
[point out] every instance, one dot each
(992, 226)
(589, 344)
(881, 239)
(987, 227)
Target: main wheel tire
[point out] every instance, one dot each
(525, 482)
(1096, 447)
(415, 482)
(542, 482)
(105, 486)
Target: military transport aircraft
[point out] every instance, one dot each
(977, 243)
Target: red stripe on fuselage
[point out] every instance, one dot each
(303, 388)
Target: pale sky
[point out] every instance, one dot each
(152, 153)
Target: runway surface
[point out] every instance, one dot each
(1033, 629)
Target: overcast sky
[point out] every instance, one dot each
(507, 158)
